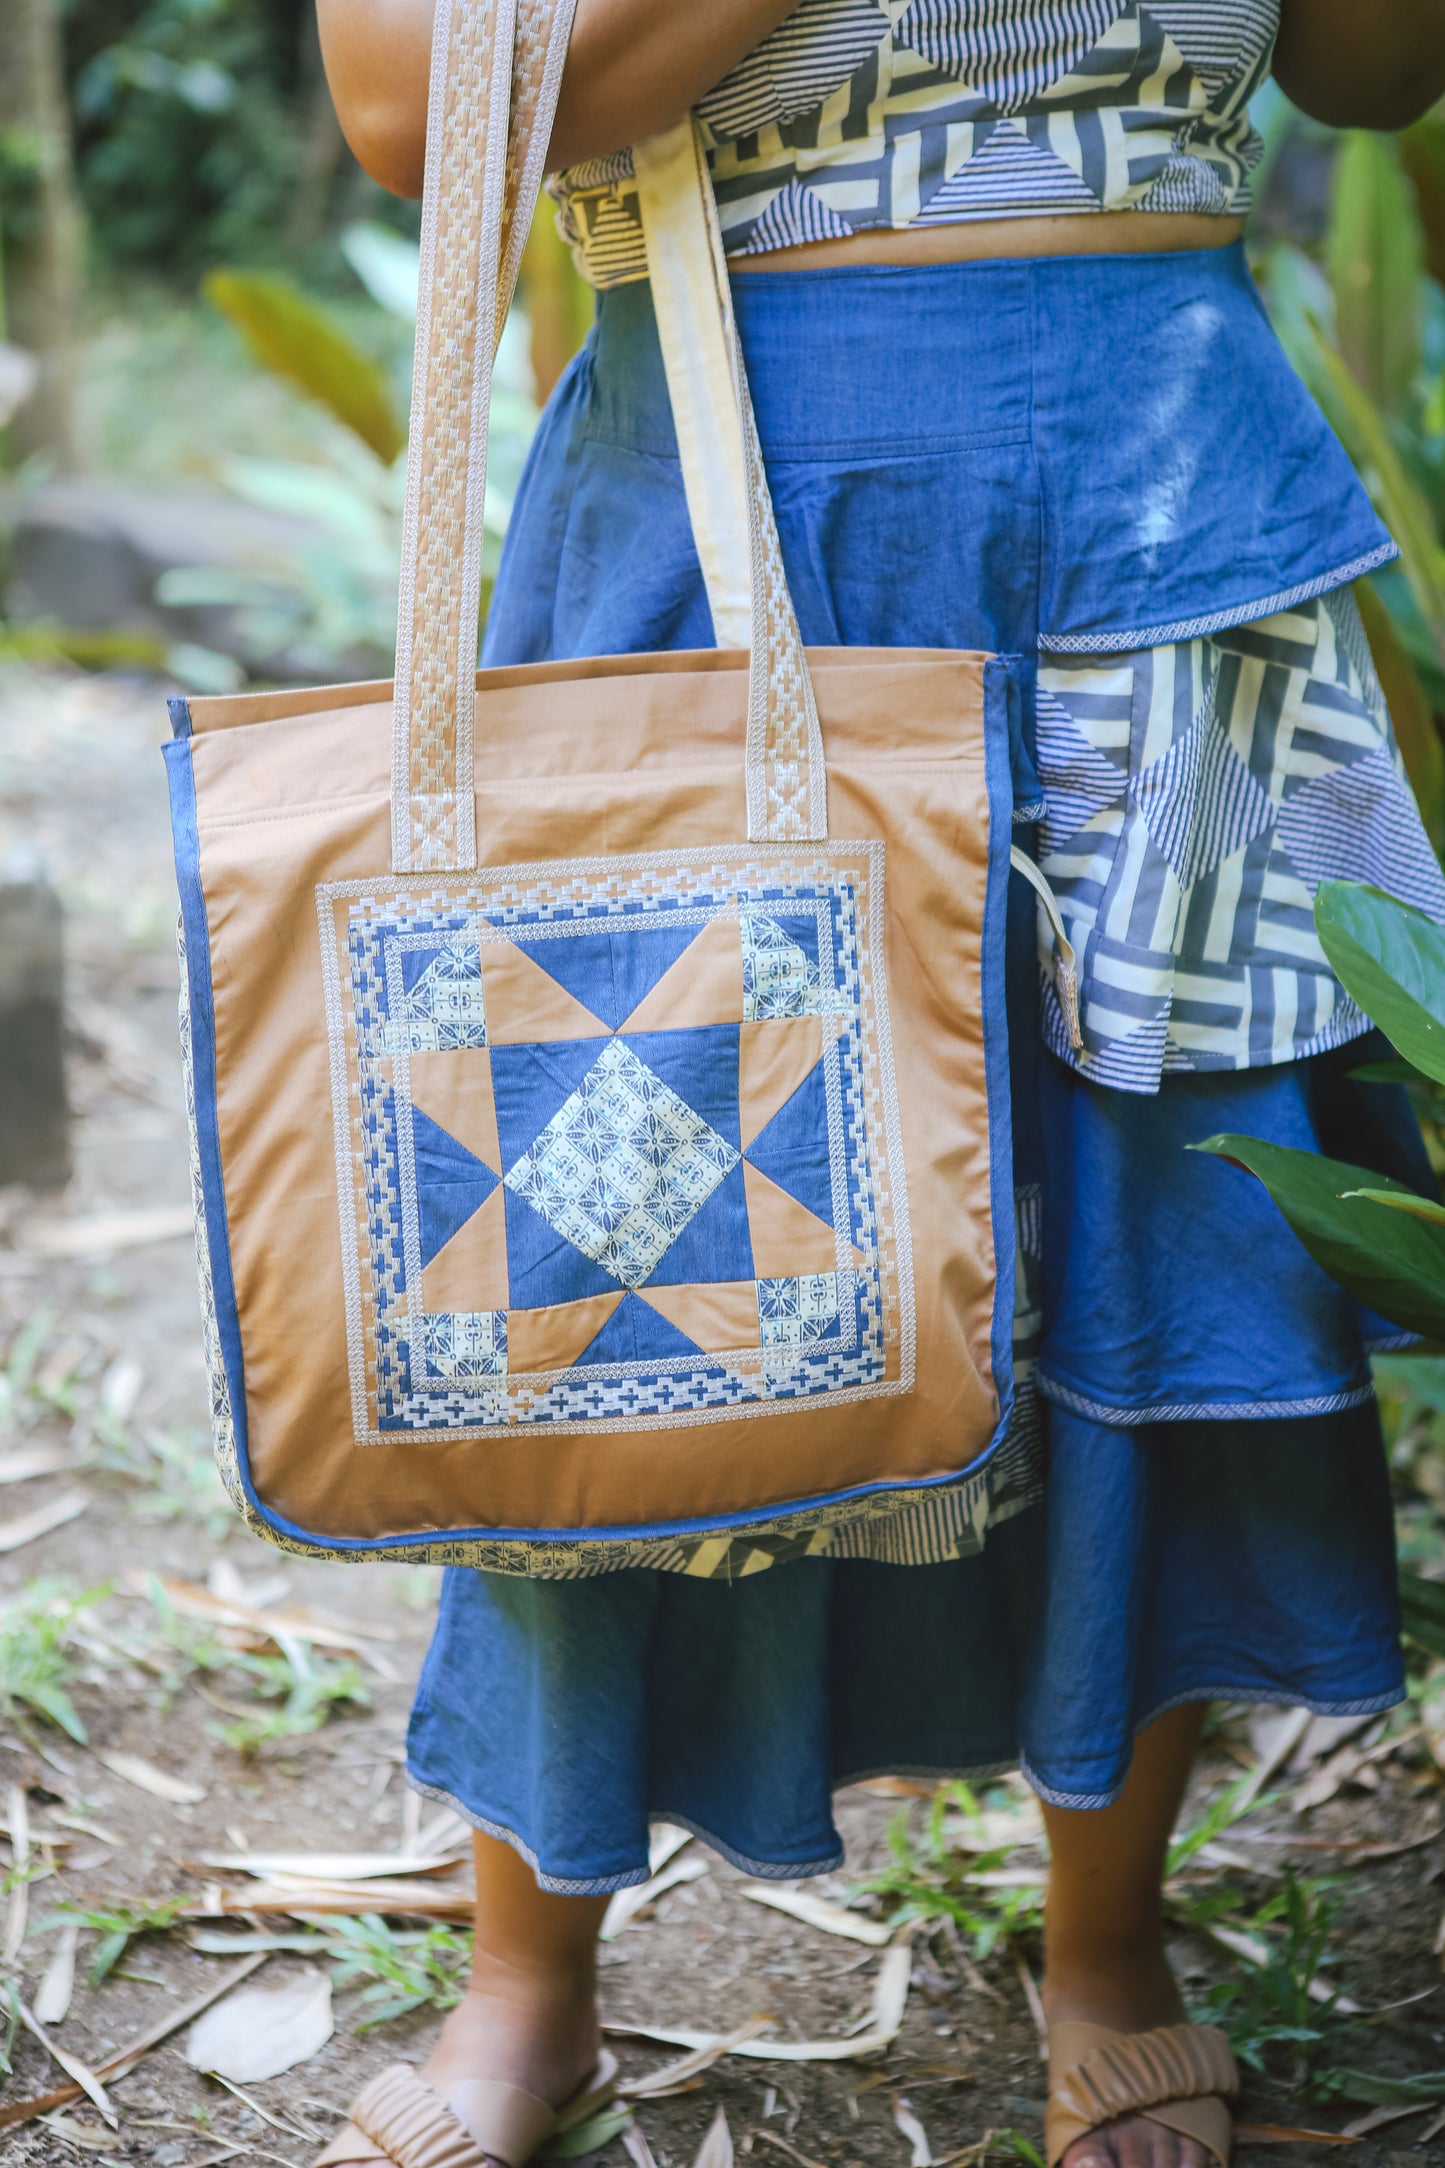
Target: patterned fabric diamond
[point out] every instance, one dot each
(779, 978)
(622, 1166)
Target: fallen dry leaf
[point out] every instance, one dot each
(27, 1527)
(299, 1622)
(144, 1775)
(817, 1912)
(628, 1903)
(781, 2145)
(325, 1866)
(86, 2137)
(1035, 2002)
(101, 1232)
(297, 1896)
(122, 2061)
(1286, 2134)
(890, 1999)
(637, 2147)
(665, 1840)
(674, 2076)
(260, 2031)
(18, 1909)
(903, 2115)
(78, 2072)
(716, 2150)
(52, 1999)
(23, 1467)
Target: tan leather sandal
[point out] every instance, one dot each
(1183, 2076)
(398, 2117)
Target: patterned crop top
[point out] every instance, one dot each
(858, 114)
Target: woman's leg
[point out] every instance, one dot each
(529, 2016)
(1104, 1938)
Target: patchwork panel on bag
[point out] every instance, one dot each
(616, 1141)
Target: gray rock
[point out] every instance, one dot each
(34, 1110)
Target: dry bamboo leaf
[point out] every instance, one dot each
(1275, 1739)
(23, 1467)
(914, 2132)
(124, 2060)
(144, 1775)
(1286, 2134)
(1035, 2002)
(817, 1912)
(18, 1910)
(673, 2076)
(216, 1945)
(300, 1622)
(99, 1233)
(890, 1998)
(1379, 2117)
(85, 2137)
(28, 1527)
(628, 1903)
(664, 1842)
(637, 2147)
(52, 2000)
(324, 1866)
(716, 2150)
(260, 2031)
(299, 1898)
(770, 2137)
(78, 2072)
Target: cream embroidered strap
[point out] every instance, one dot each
(487, 55)
(786, 778)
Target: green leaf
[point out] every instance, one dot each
(1422, 1611)
(1375, 254)
(1371, 2090)
(1391, 960)
(289, 335)
(1387, 1259)
(588, 2137)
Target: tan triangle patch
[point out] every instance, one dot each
(704, 986)
(773, 1059)
(525, 1004)
(787, 1238)
(553, 1338)
(717, 1317)
(470, 1271)
(455, 1090)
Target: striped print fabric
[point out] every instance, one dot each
(858, 114)
(1197, 794)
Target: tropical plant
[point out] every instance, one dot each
(1383, 1241)
(1364, 323)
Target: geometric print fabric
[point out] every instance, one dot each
(854, 115)
(626, 1155)
(1197, 793)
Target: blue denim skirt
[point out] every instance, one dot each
(957, 458)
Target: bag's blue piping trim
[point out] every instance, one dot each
(1240, 613)
(186, 841)
(1001, 677)
(186, 844)
(1196, 1411)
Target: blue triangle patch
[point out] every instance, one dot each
(451, 1183)
(714, 1245)
(610, 971)
(529, 1084)
(792, 1149)
(636, 1332)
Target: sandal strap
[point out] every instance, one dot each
(412, 2124)
(1098, 2075)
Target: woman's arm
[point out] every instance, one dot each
(633, 66)
(1362, 63)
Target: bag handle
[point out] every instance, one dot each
(727, 484)
(491, 61)
(496, 73)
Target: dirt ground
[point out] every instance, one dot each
(102, 1350)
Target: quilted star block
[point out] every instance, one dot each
(622, 1144)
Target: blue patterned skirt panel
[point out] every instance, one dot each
(962, 458)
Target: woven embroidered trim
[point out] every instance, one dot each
(1241, 613)
(854, 115)
(617, 1255)
(1197, 794)
(1202, 1411)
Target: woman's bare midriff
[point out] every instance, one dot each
(1102, 233)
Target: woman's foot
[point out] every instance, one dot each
(1130, 1990)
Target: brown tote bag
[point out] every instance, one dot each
(598, 1071)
